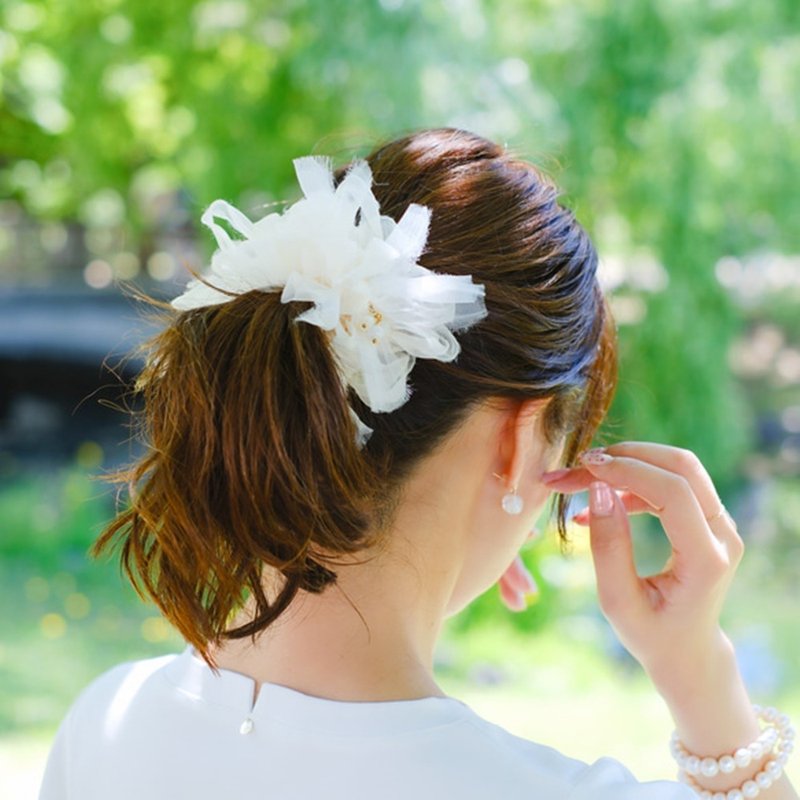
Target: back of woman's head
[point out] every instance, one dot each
(251, 455)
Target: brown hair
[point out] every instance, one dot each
(251, 455)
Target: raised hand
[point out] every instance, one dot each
(670, 621)
(667, 619)
(516, 582)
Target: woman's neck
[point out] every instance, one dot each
(323, 646)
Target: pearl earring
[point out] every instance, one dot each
(511, 502)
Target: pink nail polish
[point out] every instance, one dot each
(581, 517)
(596, 458)
(517, 602)
(530, 581)
(601, 501)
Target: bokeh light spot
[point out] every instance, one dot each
(155, 629)
(89, 455)
(161, 266)
(77, 605)
(98, 274)
(53, 626)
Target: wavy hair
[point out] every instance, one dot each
(250, 455)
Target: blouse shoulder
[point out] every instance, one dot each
(607, 778)
(82, 720)
(111, 687)
(604, 779)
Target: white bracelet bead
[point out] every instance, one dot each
(756, 750)
(763, 780)
(750, 789)
(779, 731)
(773, 769)
(727, 764)
(709, 767)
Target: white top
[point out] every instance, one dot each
(168, 727)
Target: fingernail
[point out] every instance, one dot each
(596, 457)
(530, 582)
(518, 603)
(581, 517)
(555, 475)
(601, 501)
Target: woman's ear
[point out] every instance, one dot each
(519, 437)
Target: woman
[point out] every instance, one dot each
(311, 508)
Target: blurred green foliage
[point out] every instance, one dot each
(671, 125)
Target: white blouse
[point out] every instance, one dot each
(168, 727)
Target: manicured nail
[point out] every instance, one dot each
(518, 602)
(531, 586)
(555, 475)
(581, 517)
(596, 457)
(601, 501)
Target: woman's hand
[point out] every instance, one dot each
(670, 621)
(516, 582)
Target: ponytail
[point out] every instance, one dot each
(252, 460)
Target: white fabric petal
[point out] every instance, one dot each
(359, 269)
(237, 220)
(363, 431)
(314, 175)
(411, 233)
(325, 312)
(199, 295)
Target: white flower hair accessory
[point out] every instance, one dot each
(334, 248)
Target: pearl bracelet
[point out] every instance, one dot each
(778, 731)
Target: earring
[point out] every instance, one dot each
(511, 502)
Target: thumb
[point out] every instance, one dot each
(619, 589)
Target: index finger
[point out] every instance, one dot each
(669, 493)
(678, 460)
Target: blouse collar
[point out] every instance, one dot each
(234, 691)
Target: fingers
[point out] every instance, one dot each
(672, 459)
(513, 600)
(678, 507)
(568, 481)
(515, 583)
(687, 466)
(675, 459)
(618, 585)
(667, 492)
(518, 577)
(631, 503)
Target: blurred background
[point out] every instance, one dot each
(672, 127)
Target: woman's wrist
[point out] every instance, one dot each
(713, 712)
(708, 700)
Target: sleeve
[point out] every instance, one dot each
(56, 780)
(608, 779)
